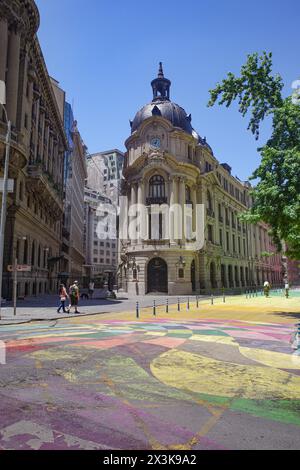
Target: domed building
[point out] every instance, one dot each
(170, 170)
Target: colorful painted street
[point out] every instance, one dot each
(220, 376)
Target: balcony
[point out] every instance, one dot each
(42, 185)
(156, 200)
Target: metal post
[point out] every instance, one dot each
(167, 306)
(212, 299)
(178, 304)
(137, 310)
(154, 308)
(188, 304)
(15, 287)
(197, 301)
(246, 294)
(4, 203)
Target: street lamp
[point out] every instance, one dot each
(5, 184)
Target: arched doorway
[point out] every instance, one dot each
(193, 276)
(157, 275)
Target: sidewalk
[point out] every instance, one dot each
(45, 307)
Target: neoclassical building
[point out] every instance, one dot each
(167, 163)
(38, 144)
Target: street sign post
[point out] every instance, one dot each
(15, 269)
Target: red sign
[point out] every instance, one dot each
(20, 267)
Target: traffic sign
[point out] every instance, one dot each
(10, 185)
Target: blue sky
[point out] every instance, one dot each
(105, 53)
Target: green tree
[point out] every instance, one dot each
(276, 196)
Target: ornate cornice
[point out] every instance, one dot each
(22, 15)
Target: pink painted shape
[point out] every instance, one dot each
(166, 341)
(248, 334)
(33, 341)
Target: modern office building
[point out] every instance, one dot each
(100, 243)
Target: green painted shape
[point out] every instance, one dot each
(180, 335)
(285, 411)
(210, 332)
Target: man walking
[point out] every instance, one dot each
(74, 296)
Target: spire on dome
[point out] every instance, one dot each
(160, 71)
(161, 86)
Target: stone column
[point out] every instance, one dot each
(173, 212)
(141, 213)
(182, 201)
(3, 42)
(13, 76)
(194, 201)
(132, 232)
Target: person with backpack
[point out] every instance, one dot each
(74, 296)
(63, 297)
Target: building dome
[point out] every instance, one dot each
(162, 106)
(166, 109)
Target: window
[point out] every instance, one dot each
(233, 243)
(181, 273)
(157, 186)
(221, 237)
(210, 233)
(187, 194)
(227, 241)
(208, 167)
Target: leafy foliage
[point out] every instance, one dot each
(276, 197)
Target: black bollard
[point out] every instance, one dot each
(197, 301)
(188, 304)
(137, 310)
(154, 308)
(167, 306)
(212, 299)
(178, 305)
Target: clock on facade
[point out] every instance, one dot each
(155, 143)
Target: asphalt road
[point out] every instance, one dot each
(157, 383)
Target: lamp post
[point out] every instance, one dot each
(5, 184)
(15, 283)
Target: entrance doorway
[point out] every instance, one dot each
(157, 275)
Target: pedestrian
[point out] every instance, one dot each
(74, 296)
(266, 288)
(286, 288)
(91, 289)
(63, 297)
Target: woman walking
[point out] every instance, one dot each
(63, 297)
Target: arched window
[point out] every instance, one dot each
(157, 186)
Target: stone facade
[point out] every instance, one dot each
(168, 163)
(35, 208)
